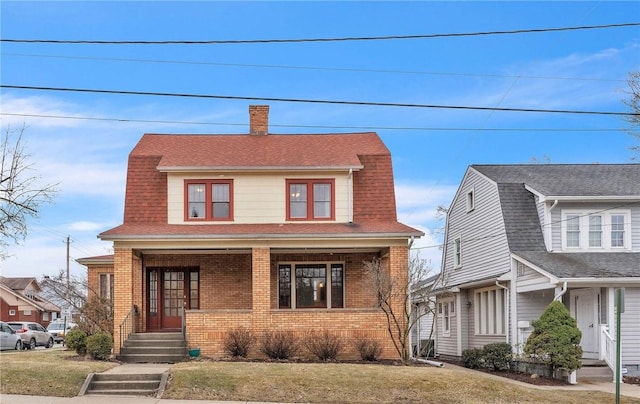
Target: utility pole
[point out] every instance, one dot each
(67, 292)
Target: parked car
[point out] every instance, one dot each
(9, 339)
(32, 334)
(58, 329)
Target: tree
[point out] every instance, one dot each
(633, 80)
(555, 339)
(394, 298)
(21, 191)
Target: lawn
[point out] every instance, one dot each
(61, 373)
(51, 372)
(351, 383)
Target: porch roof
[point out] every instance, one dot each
(581, 265)
(260, 231)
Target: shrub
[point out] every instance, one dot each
(239, 342)
(473, 358)
(279, 344)
(323, 344)
(76, 339)
(368, 349)
(555, 339)
(497, 356)
(99, 345)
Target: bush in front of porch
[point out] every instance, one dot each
(555, 339)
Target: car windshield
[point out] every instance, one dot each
(16, 326)
(55, 326)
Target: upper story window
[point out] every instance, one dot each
(603, 230)
(457, 252)
(310, 199)
(209, 200)
(471, 200)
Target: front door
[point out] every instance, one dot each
(584, 307)
(170, 291)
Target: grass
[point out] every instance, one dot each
(51, 372)
(361, 383)
(60, 373)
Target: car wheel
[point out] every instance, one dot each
(32, 344)
(18, 345)
(49, 343)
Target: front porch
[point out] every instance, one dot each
(208, 294)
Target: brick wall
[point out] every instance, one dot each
(93, 278)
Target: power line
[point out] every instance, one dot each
(338, 39)
(317, 101)
(125, 120)
(321, 68)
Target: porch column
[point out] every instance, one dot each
(261, 287)
(122, 290)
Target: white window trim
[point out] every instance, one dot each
(447, 305)
(470, 200)
(605, 226)
(12, 312)
(457, 252)
(485, 319)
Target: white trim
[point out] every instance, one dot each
(583, 217)
(485, 311)
(470, 200)
(457, 252)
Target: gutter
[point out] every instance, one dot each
(561, 293)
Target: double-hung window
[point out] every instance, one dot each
(311, 285)
(310, 199)
(490, 311)
(446, 310)
(596, 231)
(209, 200)
(457, 252)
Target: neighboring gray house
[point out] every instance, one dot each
(519, 236)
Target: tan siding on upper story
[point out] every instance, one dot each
(257, 198)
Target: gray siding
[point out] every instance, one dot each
(485, 250)
(556, 219)
(630, 327)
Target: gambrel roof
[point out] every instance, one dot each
(515, 184)
(569, 179)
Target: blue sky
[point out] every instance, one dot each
(431, 148)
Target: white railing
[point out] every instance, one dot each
(607, 348)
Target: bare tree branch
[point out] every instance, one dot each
(21, 192)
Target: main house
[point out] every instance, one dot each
(521, 236)
(20, 301)
(261, 231)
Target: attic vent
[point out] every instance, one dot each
(258, 119)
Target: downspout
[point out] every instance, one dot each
(561, 293)
(548, 229)
(410, 303)
(508, 307)
(350, 196)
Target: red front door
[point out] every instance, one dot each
(170, 291)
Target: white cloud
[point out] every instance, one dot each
(87, 226)
(418, 203)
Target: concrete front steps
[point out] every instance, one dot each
(154, 347)
(594, 371)
(146, 384)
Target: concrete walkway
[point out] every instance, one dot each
(626, 390)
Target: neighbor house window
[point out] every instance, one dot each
(457, 252)
(310, 199)
(446, 310)
(45, 316)
(209, 200)
(311, 285)
(106, 287)
(595, 231)
(490, 311)
(12, 312)
(471, 203)
(599, 231)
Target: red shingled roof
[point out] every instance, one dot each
(278, 151)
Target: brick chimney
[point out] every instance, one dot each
(258, 119)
